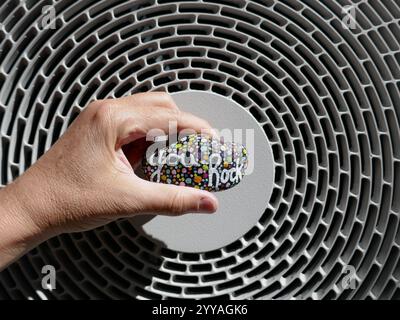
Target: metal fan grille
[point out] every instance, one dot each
(328, 98)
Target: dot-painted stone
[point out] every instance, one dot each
(198, 161)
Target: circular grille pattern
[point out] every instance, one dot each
(328, 98)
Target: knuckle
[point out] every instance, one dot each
(175, 114)
(101, 110)
(177, 203)
(169, 102)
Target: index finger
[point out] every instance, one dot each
(135, 123)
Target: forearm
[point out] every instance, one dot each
(18, 232)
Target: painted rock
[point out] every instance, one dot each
(198, 161)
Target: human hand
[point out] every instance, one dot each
(86, 179)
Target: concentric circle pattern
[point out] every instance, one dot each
(327, 95)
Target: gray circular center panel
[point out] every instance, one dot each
(241, 207)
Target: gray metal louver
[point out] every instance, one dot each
(327, 97)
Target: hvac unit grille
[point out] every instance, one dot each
(328, 98)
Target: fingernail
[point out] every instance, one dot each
(214, 133)
(207, 205)
(211, 132)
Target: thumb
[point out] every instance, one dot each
(174, 200)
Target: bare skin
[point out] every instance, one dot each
(87, 180)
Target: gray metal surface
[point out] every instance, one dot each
(327, 97)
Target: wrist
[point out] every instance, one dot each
(18, 231)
